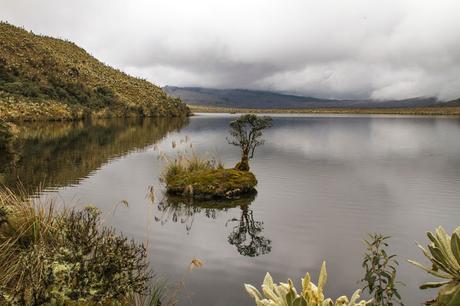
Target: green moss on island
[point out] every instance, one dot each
(212, 184)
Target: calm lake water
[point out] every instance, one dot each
(324, 182)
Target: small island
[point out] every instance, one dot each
(213, 183)
(199, 178)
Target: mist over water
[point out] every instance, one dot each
(324, 183)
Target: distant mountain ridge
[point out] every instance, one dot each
(244, 98)
(48, 78)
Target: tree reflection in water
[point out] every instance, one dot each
(246, 235)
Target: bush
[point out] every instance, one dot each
(57, 257)
(380, 272)
(72, 92)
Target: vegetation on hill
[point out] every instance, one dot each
(47, 78)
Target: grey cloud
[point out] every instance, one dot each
(330, 48)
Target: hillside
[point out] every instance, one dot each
(254, 99)
(47, 78)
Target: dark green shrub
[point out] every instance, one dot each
(57, 258)
(95, 264)
(380, 272)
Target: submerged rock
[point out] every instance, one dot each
(212, 183)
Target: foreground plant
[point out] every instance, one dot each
(285, 294)
(51, 256)
(443, 251)
(380, 272)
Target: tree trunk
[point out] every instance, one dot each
(243, 165)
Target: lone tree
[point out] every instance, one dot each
(246, 133)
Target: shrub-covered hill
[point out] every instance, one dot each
(47, 78)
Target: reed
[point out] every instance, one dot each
(186, 161)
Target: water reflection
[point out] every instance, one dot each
(247, 235)
(62, 153)
(359, 174)
(247, 232)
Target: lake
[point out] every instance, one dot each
(325, 181)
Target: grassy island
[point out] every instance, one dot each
(212, 183)
(200, 178)
(197, 177)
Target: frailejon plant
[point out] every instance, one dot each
(443, 251)
(285, 294)
(380, 272)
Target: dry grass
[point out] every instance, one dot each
(422, 111)
(52, 255)
(186, 161)
(28, 230)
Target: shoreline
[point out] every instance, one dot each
(420, 111)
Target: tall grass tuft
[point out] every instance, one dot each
(53, 255)
(186, 162)
(27, 231)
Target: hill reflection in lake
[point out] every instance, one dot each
(56, 154)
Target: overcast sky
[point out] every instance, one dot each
(328, 48)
